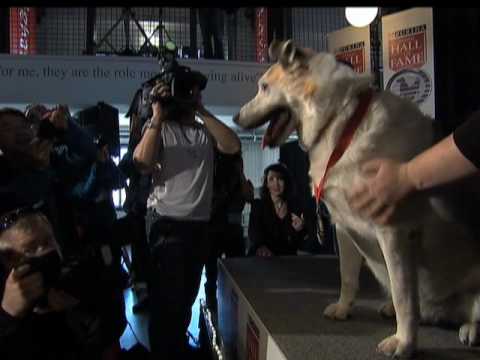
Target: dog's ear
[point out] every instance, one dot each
(290, 56)
(274, 50)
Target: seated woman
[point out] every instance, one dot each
(276, 224)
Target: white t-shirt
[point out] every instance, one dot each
(182, 184)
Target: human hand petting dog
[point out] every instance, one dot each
(387, 184)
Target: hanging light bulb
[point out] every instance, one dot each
(360, 16)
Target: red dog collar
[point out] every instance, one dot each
(345, 139)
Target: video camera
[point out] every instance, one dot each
(181, 79)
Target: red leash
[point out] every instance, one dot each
(345, 138)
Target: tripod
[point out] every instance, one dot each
(146, 48)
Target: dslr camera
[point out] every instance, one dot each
(180, 79)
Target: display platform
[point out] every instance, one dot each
(272, 308)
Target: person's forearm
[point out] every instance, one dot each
(439, 165)
(146, 152)
(227, 141)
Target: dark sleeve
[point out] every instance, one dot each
(467, 139)
(80, 142)
(8, 325)
(256, 231)
(86, 188)
(70, 162)
(236, 202)
(126, 165)
(111, 176)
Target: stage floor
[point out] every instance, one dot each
(288, 296)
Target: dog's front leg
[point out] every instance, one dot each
(399, 252)
(350, 264)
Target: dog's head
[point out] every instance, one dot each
(301, 91)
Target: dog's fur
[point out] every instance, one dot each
(428, 264)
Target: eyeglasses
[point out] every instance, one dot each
(11, 217)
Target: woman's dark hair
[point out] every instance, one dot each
(285, 175)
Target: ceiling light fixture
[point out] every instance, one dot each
(360, 16)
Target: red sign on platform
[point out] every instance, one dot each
(261, 33)
(23, 31)
(407, 48)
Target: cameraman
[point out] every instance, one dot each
(178, 152)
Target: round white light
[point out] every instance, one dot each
(360, 16)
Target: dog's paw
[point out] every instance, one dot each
(469, 334)
(392, 346)
(387, 310)
(337, 311)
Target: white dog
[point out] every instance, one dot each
(428, 264)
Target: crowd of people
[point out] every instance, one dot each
(61, 278)
(61, 281)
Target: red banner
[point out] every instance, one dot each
(261, 33)
(23, 31)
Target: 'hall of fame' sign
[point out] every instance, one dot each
(406, 56)
(353, 54)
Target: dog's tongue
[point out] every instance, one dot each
(275, 128)
(265, 140)
(267, 137)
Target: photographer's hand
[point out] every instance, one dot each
(59, 117)
(22, 290)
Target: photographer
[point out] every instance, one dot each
(24, 159)
(42, 153)
(35, 318)
(178, 151)
(96, 230)
(93, 193)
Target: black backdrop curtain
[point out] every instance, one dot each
(457, 66)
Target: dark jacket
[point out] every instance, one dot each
(34, 336)
(265, 228)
